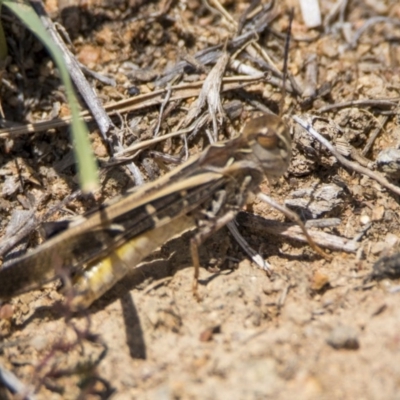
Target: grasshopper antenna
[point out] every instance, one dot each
(285, 62)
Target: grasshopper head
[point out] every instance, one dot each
(269, 140)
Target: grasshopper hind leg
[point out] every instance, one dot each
(198, 239)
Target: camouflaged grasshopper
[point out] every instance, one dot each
(205, 193)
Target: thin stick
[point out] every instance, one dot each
(293, 232)
(256, 257)
(86, 91)
(182, 91)
(374, 135)
(10, 381)
(383, 103)
(295, 218)
(349, 164)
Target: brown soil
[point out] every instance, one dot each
(318, 329)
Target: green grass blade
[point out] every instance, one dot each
(3, 43)
(87, 166)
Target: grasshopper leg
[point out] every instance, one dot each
(198, 239)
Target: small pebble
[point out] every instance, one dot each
(378, 213)
(311, 13)
(343, 337)
(208, 334)
(6, 311)
(365, 219)
(391, 239)
(319, 280)
(387, 267)
(378, 247)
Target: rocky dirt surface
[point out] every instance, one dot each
(316, 329)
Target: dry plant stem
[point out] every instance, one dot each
(242, 68)
(254, 6)
(162, 109)
(349, 164)
(225, 13)
(253, 48)
(131, 166)
(294, 232)
(131, 151)
(257, 48)
(322, 223)
(135, 103)
(211, 54)
(191, 59)
(333, 13)
(92, 101)
(11, 382)
(258, 105)
(283, 295)
(358, 157)
(7, 244)
(106, 80)
(210, 93)
(167, 158)
(294, 217)
(374, 135)
(256, 257)
(10, 241)
(311, 79)
(134, 150)
(370, 22)
(342, 10)
(382, 103)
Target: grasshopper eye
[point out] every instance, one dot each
(269, 131)
(268, 141)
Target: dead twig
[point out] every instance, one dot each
(32, 223)
(349, 164)
(380, 103)
(140, 102)
(368, 23)
(231, 109)
(92, 101)
(293, 231)
(162, 109)
(132, 151)
(210, 93)
(256, 257)
(294, 217)
(374, 135)
(132, 167)
(12, 383)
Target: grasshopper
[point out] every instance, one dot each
(205, 193)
